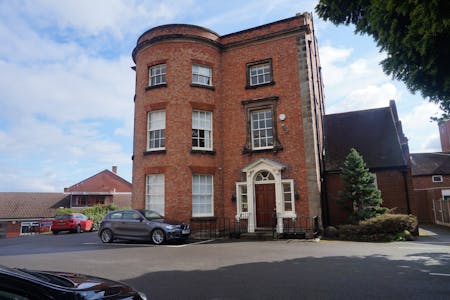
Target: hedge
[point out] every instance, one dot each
(383, 228)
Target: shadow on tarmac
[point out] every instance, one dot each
(371, 277)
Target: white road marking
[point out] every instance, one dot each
(440, 274)
(144, 245)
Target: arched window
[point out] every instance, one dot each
(264, 176)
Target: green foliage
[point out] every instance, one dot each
(64, 211)
(383, 228)
(331, 232)
(360, 195)
(96, 213)
(414, 33)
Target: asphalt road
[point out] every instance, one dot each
(240, 269)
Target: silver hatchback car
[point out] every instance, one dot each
(141, 224)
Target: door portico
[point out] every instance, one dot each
(265, 198)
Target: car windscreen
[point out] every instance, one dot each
(151, 215)
(63, 217)
(51, 278)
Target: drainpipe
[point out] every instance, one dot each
(405, 180)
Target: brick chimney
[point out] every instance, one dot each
(444, 133)
(114, 169)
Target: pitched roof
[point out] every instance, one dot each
(437, 163)
(104, 181)
(373, 133)
(31, 205)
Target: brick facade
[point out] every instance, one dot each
(396, 192)
(294, 95)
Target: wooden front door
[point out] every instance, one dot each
(265, 205)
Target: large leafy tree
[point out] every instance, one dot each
(360, 195)
(415, 35)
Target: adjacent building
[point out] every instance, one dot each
(229, 127)
(103, 188)
(378, 136)
(29, 213)
(431, 177)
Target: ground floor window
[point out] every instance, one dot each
(29, 228)
(154, 193)
(242, 199)
(288, 197)
(202, 195)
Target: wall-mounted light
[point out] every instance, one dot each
(297, 196)
(282, 117)
(233, 198)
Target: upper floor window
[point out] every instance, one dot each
(262, 129)
(259, 73)
(157, 75)
(201, 75)
(202, 130)
(156, 130)
(261, 125)
(437, 178)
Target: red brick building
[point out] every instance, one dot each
(229, 127)
(378, 136)
(103, 188)
(431, 179)
(31, 213)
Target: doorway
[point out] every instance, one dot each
(265, 205)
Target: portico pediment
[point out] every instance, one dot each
(264, 164)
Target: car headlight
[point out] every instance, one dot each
(170, 227)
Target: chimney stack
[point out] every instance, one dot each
(444, 132)
(114, 169)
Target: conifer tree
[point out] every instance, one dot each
(360, 194)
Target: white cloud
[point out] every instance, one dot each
(330, 55)
(423, 134)
(371, 96)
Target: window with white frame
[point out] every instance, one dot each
(202, 195)
(242, 198)
(154, 193)
(156, 130)
(201, 75)
(437, 178)
(288, 195)
(157, 75)
(201, 130)
(262, 129)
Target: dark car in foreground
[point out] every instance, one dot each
(73, 222)
(141, 224)
(24, 284)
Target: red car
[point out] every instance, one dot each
(74, 222)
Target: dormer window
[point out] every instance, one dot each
(437, 178)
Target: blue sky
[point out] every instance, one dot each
(66, 87)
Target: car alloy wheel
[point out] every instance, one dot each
(106, 236)
(158, 236)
